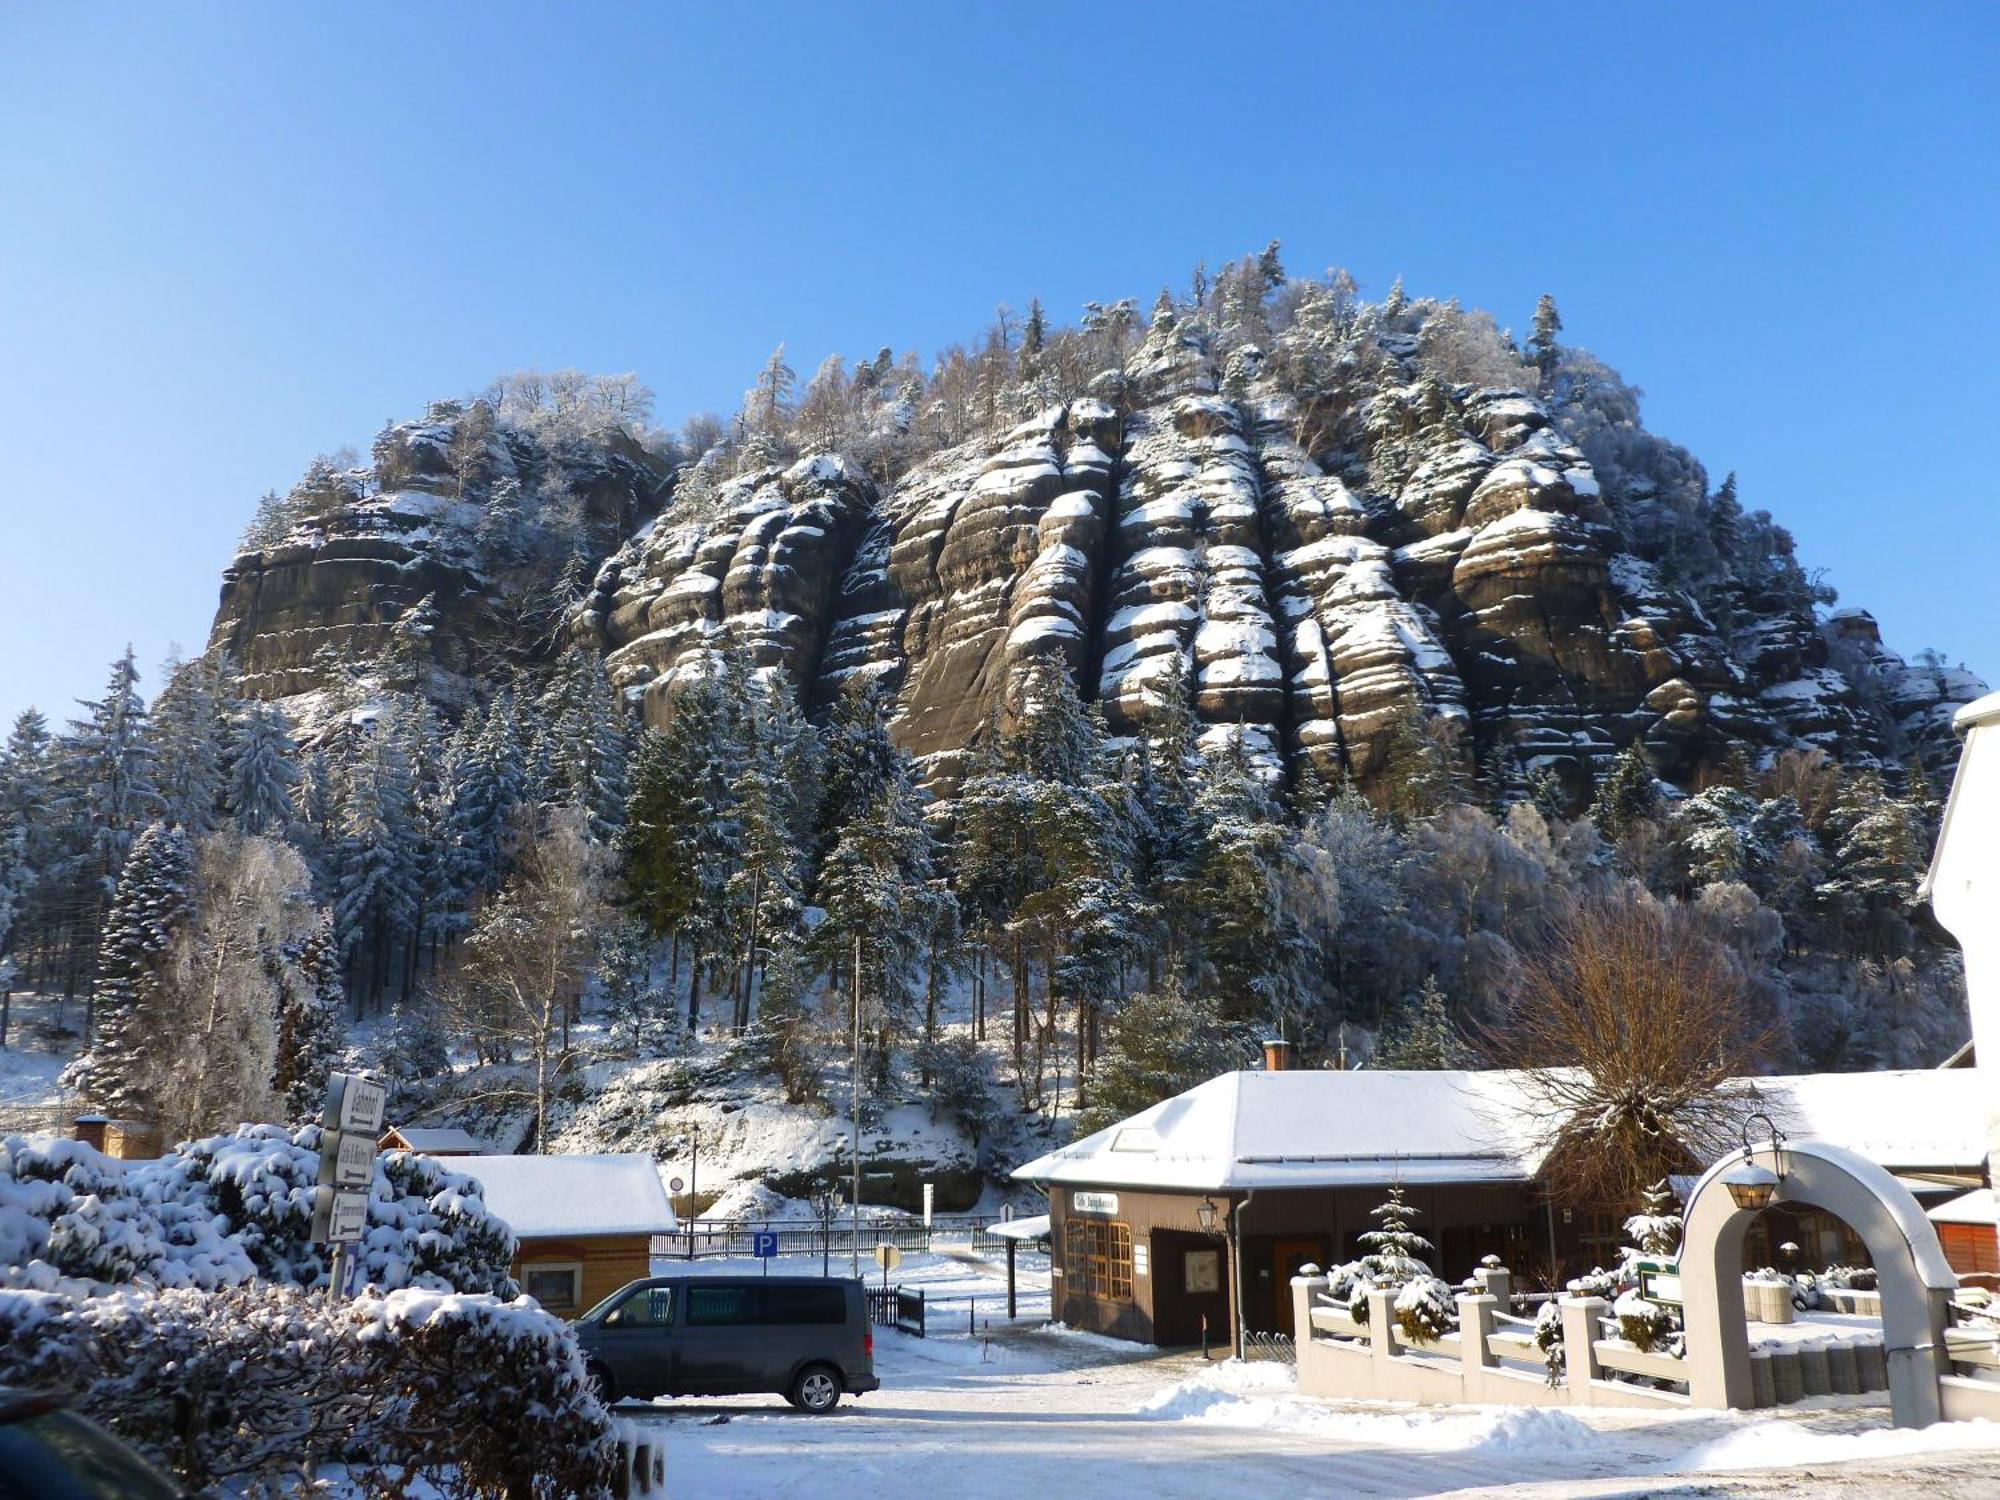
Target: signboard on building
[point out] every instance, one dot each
(1094, 1203)
(1204, 1270)
(1141, 1258)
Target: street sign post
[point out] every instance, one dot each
(764, 1245)
(354, 1105)
(930, 1196)
(351, 1123)
(888, 1257)
(349, 1163)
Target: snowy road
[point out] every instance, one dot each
(1051, 1414)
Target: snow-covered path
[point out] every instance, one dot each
(1047, 1412)
(1052, 1414)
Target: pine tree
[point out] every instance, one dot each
(1162, 1042)
(1629, 795)
(768, 788)
(374, 895)
(108, 793)
(192, 732)
(310, 997)
(262, 776)
(1422, 1037)
(1396, 1253)
(1237, 885)
(1542, 341)
(28, 793)
(152, 906)
(589, 743)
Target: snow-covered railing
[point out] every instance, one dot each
(642, 1460)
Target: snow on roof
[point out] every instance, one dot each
(441, 1138)
(575, 1196)
(1307, 1128)
(1034, 1227)
(1980, 711)
(1975, 1207)
(1298, 1128)
(1900, 1119)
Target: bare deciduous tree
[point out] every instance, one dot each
(524, 963)
(1632, 1024)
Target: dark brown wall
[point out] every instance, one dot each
(1279, 1229)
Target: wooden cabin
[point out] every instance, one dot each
(433, 1140)
(584, 1224)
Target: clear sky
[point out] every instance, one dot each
(232, 237)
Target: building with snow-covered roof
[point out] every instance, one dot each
(434, 1140)
(1208, 1202)
(584, 1223)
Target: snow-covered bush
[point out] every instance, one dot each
(1548, 1337)
(1644, 1325)
(465, 1395)
(228, 1209)
(1425, 1311)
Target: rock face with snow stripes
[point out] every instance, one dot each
(1471, 573)
(1323, 524)
(439, 561)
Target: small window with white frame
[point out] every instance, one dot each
(556, 1284)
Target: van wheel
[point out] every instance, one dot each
(817, 1389)
(601, 1383)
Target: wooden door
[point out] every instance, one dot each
(1287, 1256)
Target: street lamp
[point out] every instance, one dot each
(1751, 1186)
(1204, 1215)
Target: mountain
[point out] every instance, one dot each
(441, 563)
(1368, 524)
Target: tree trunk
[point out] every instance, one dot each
(749, 954)
(694, 991)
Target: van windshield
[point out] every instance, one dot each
(596, 1314)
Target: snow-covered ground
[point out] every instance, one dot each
(1041, 1411)
(41, 1039)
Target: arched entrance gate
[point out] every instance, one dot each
(1915, 1281)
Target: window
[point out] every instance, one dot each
(717, 1306)
(649, 1307)
(557, 1285)
(1601, 1237)
(1098, 1259)
(801, 1304)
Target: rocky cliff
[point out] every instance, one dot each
(1318, 570)
(1330, 524)
(442, 564)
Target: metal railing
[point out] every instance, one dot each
(700, 1239)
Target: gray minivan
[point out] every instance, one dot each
(807, 1338)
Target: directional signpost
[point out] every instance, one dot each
(351, 1124)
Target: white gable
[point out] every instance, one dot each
(544, 1197)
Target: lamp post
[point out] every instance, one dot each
(1204, 1215)
(1750, 1186)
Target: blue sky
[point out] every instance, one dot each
(232, 237)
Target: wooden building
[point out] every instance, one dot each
(1202, 1208)
(584, 1223)
(433, 1140)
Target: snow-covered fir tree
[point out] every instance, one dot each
(153, 904)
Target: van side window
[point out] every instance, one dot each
(717, 1306)
(801, 1304)
(649, 1307)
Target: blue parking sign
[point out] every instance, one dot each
(767, 1244)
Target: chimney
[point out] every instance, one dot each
(1277, 1055)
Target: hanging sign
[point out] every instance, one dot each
(1659, 1281)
